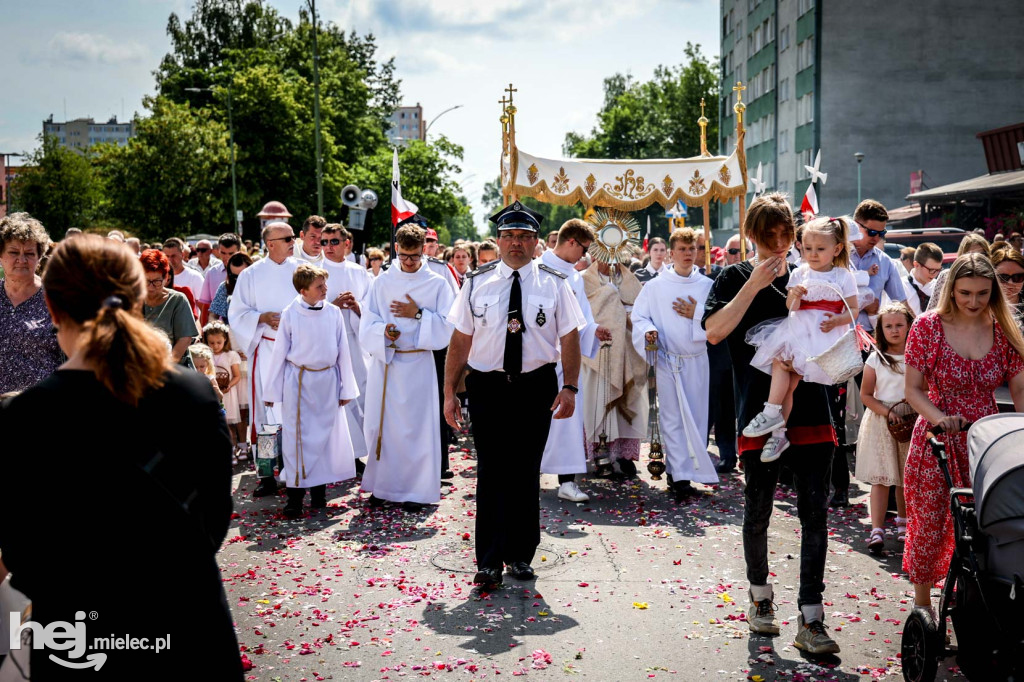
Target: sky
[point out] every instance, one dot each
(95, 58)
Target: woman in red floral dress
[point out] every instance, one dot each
(956, 357)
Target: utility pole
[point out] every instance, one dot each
(316, 115)
(231, 138)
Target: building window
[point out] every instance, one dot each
(804, 6)
(805, 54)
(783, 141)
(803, 159)
(784, 38)
(805, 109)
(783, 186)
(784, 90)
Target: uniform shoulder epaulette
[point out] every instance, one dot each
(547, 268)
(431, 259)
(483, 268)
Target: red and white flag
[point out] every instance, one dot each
(400, 208)
(809, 206)
(647, 236)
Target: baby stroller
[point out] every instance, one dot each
(984, 590)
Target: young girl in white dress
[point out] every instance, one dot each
(820, 291)
(227, 362)
(880, 458)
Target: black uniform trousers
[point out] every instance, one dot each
(722, 415)
(447, 435)
(511, 419)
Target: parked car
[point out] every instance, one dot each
(946, 238)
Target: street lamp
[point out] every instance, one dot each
(457, 106)
(860, 157)
(231, 138)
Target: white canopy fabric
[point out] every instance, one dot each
(627, 185)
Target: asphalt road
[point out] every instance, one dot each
(631, 586)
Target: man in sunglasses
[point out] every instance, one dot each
(733, 254)
(883, 275)
(261, 293)
(202, 262)
(310, 249)
(919, 285)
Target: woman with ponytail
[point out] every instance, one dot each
(137, 504)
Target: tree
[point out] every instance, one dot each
(427, 171)
(172, 178)
(58, 187)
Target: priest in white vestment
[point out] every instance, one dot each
(347, 288)
(564, 452)
(404, 319)
(262, 291)
(682, 366)
(310, 375)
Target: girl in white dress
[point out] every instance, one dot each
(228, 363)
(822, 294)
(880, 458)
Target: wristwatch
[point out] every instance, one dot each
(419, 314)
(570, 387)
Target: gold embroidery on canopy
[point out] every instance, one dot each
(724, 175)
(667, 185)
(532, 174)
(629, 185)
(697, 186)
(591, 184)
(560, 184)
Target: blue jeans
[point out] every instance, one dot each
(811, 465)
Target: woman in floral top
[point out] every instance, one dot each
(956, 357)
(28, 341)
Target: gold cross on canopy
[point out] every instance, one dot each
(510, 90)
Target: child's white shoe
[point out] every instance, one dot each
(774, 447)
(763, 424)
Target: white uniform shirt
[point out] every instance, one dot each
(481, 310)
(301, 255)
(439, 267)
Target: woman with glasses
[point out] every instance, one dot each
(1009, 264)
(166, 309)
(28, 344)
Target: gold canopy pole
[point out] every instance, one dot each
(513, 155)
(703, 123)
(739, 108)
(504, 150)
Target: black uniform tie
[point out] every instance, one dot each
(513, 364)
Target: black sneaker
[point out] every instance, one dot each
(813, 638)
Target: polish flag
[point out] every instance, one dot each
(647, 236)
(809, 206)
(400, 208)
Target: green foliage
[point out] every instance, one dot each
(58, 187)
(172, 178)
(426, 181)
(553, 214)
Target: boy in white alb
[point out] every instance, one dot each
(310, 373)
(667, 313)
(404, 319)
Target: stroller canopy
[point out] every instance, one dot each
(996, 447)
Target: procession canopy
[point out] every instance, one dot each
(626, 185)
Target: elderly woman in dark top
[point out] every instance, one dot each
(166, 309)
(28, 343)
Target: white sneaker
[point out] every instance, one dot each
(570, 491)
(762, 425)
(774, 447)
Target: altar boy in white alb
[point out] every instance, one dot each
(565, 453)
(310, 374)
(404, 319)
(668, 312)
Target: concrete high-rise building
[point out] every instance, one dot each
(908, 85)
(407, 124)
(81, 133)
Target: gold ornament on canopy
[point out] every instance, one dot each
(616, 234)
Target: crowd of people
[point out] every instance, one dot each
(365, 365)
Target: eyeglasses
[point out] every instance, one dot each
(287, 240)
(702, 248)
(332, 242)
(155, 282)
(733, 252)
(523, 238)
(201, 249)
(932, 271)
(873, 233)
(410, 257)
(1006, 278)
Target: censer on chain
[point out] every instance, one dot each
(656, 465)
(602, 455)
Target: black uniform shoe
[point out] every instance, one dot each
(683, 491)
(376, 501)
(318, 497)
(488, 578)
(318, 503)
(412, 506)
(628, 468)
(520, 570)
(725, 467)
(266, 488)
(840, 499)
(447, 474)
(292, 511)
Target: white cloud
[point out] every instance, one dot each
(92, 48)
(430, 60)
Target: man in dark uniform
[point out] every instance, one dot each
(513, 318)
(441, 268)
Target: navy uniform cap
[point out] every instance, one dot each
(515, 216)
(414, 219)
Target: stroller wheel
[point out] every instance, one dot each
(921, 648)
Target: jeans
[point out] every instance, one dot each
(722, 415)
(811, 465)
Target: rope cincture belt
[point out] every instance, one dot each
(300, 458)
(675, 365)
(384, 395)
